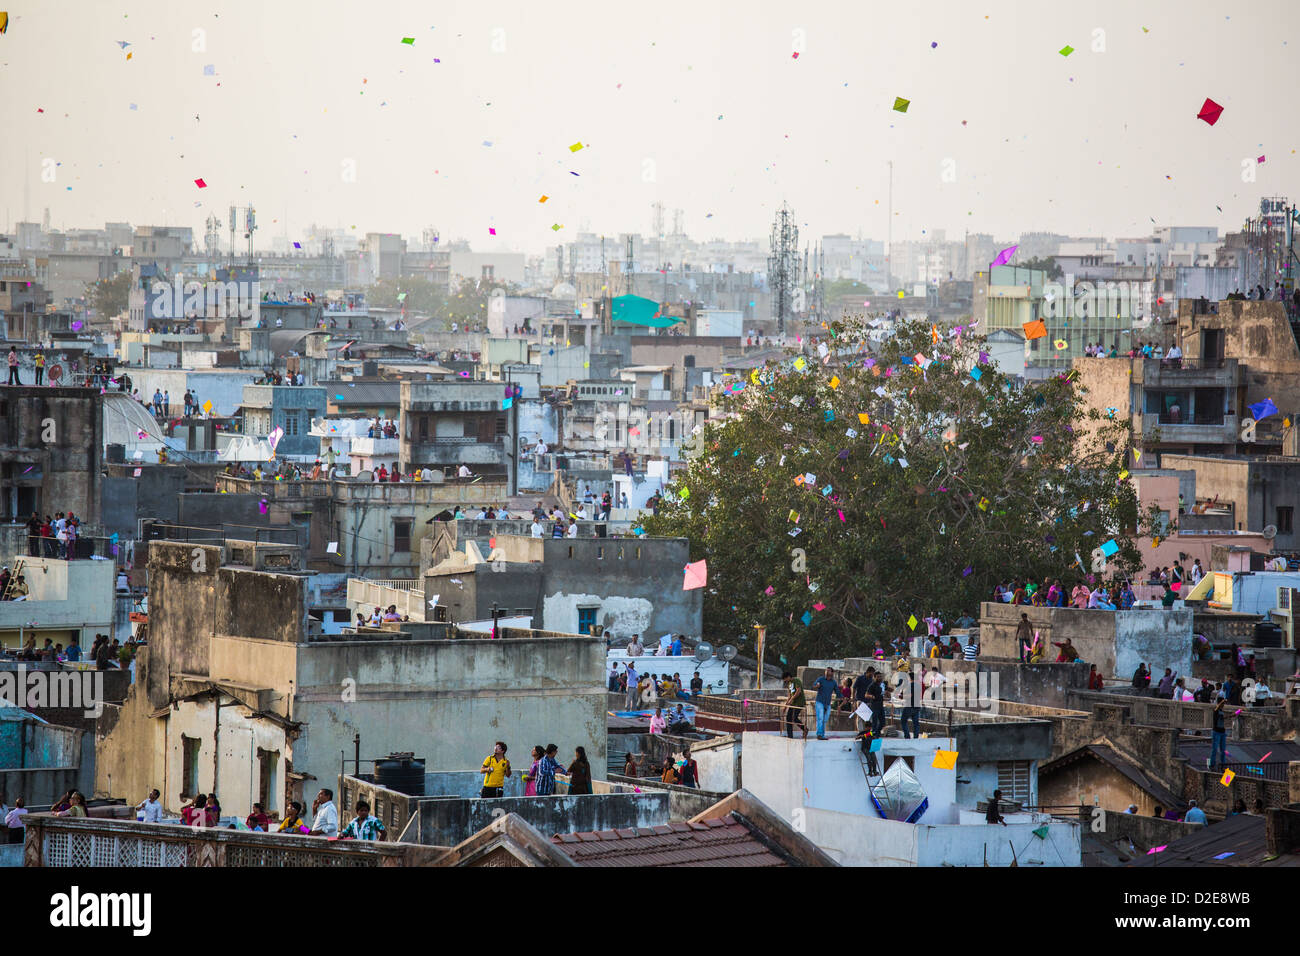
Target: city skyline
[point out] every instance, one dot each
(291, 122)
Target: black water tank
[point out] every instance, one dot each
(116, 453)
(401, 772)
(1267, 634)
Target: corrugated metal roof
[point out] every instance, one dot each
(721, 842)
(1242, 837)
(1197, 752)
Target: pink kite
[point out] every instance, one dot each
(1005, 255)
(697, 575)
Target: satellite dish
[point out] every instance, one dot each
(1270, 531)
(727, 652)
(55, 372)
(703, 651)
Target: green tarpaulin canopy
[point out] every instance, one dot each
(637, 310)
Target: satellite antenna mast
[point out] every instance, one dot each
(783, 266)
(631, 266)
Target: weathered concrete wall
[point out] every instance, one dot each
(1144, 830)
(447, 821)
(1108, 385)
(469, 594)
(129, 744)
(182, 593)
(1116, 641)
(636, 586)
(447, 701)
(262, 606)
(59, 432)
(1159, 639)
(1046, 685)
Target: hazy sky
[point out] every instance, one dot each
(699, 105)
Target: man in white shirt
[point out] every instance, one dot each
(152, 808)
(582, 512)
(326, 823)
(14, 818)
(482, 514)
(572, 532)
(463, 472)
(536, 529)
(634, 647)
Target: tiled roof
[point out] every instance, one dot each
(720, 842)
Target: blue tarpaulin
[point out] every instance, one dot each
(638, 310)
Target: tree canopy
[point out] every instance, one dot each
(467, 303)
(847, 493)
(1047, 265)
(110, 297)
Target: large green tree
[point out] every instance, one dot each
(110, 297)
(418, 295)
(468, 302)
(845, 493)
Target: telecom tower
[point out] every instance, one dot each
(631, 266)
(783, 267)
(250, 227)
(814, 268)
(212, 237)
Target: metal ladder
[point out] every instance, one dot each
(17, 569)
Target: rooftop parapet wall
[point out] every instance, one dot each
(1116, 641)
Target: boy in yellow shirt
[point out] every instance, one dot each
(495, 770)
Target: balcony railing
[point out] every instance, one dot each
(76, 842)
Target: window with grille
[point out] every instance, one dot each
(586, 619)
(1013, 780)
(1285, 517)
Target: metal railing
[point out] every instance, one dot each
(83, 547)
(1276, 771)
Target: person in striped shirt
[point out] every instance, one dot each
(971, 650)
(364, 827)
(547, 767)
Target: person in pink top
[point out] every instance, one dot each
(657, 722)
(1080, 596)
(530, 778)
